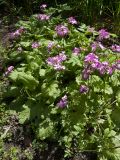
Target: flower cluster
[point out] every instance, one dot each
(17, 33)
(91, 58)
(72, 20)
(61, 30)
(63, 102)
(56, 61)
(103, 34)
(35, 45)
(43, 17)
(115, 48)
(92, 63)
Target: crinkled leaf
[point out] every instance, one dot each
(25, 114)
(108, 89)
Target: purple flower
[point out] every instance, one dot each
(103, 68)
(86, 73)
(95, 65)
(115, 48)
(43, 17)
(117, 65)
(114, 66)
(84, 89)
(17, 33)
(103, 34)
(61, 30)
(43, 6)
(59, 67)
(50, 45)
(90, 58)
(63, 102)
(35, 45)
(9, 70)
(110, 70)
(76, 51)
(62, 56)
(101, 46)
(56, 61)
(96, 45)
(72, 20)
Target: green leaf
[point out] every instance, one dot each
(12, 91)
(74, 60)
(51, 89)
(115, 79)
(25, 44)
(42, 72)
(27, 80)
(25, 114)
(108, 89)
(45, 130)
(118, 97)
(34, 65)
(116, 116)
(109, 133)
(96, 82)
(14, 75)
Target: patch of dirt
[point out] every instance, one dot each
(22, 137)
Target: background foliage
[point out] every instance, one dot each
(38, 100)
(103, 12)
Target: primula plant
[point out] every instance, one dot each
(65, 77)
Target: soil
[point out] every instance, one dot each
(22, 137)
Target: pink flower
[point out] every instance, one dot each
(61, 30)
(84, 89)
(17, 33)
(103, 34)
(56, 61)
(117, 65)
(96, 45)
(115, 48)
(50, 45)
(43, 6)
(9, 70)
(43, 17)
(63, 102)
(72, 20)
(86, 73)
(35, 45)
(101, 46)
(90, 58)
(76, 51)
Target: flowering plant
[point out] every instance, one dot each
(69, 86)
